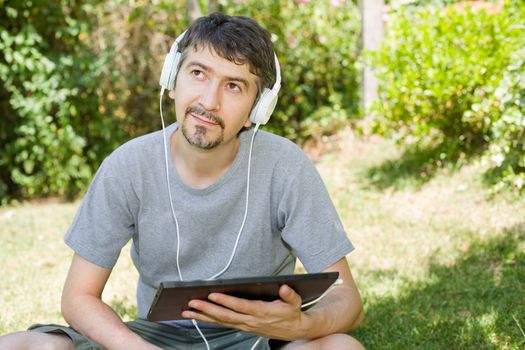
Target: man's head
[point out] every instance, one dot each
(225, 65)
(237, 39)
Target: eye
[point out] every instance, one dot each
(234, 87)
(197, 73)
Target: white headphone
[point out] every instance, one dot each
(261, 111)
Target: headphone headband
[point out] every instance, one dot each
(261, 111)
(277, 86)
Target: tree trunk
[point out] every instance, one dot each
(193, 10)
(372, 34)
(213, 6)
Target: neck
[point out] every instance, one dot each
(200, 168)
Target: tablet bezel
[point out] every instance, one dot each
(173, 297)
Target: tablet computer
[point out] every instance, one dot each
(173, 297)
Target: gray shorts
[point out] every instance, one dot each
(167, 337)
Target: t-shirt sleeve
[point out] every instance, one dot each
(104, 222)
(310, 223)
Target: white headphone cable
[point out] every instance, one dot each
(168, 183)
(164, 138)
(245, 207)
(174, 216)
(237, 240)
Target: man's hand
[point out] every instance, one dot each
(279, 319)
(340, 311)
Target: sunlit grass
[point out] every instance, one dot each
(439, 263)
(34, 262)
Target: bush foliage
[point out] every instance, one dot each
(443, 73)
(507, 108)
(54, 128)
(80, 77)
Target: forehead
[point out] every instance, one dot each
(206, 57)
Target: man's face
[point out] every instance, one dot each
(213, 98)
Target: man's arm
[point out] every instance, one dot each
(342, 308)
(340, 311)
(84, 310)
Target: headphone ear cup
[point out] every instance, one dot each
(264, 107)
(169, 70)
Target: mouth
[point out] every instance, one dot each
(203, 120)
(204, 117)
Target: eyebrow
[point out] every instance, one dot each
(206, 68)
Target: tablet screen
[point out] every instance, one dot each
(173, 297)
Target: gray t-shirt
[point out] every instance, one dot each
(290, 215)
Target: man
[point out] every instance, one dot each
(223, 195)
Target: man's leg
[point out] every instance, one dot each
(30, 340)
(330, 342)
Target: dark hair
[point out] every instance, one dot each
(238, 39)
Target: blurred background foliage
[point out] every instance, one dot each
(79, 77)
(452, 84)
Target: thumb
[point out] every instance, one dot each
(289, 296)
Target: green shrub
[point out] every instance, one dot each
(507, 107)
(80, 77)
(53, 127)
(436, 66)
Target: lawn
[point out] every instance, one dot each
(440, 263)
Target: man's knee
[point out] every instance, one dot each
(330, 342)
(35, 341)
(340, 341)
(344, 341)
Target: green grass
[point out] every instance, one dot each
(34, 263)
(440, 264)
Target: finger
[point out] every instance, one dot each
(289, 296)
(205, 311)
(240, 305)
(197, 316)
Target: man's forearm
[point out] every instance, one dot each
(94, 319)
(341, 311)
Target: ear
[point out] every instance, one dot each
(172, 94)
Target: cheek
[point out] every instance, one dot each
(243, 106)
(181, 102)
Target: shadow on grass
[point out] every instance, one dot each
(419, 164)
(477, 303)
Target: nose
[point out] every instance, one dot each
(211, 96)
